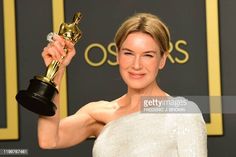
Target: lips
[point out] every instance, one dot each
(136, 75)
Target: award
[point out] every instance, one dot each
(41, 90)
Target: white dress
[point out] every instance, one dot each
(153, 135)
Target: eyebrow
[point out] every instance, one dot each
(126, 49)
(149, 51)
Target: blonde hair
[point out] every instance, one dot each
(146, 23)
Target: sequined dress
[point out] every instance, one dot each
(153, 135)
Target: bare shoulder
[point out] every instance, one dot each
(101, 111)
(97, 106)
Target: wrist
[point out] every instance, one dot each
(58, 77)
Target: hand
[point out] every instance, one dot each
(56, 51)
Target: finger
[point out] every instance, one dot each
(69, 57)
(59, 48)
(45, 51)
(47, 54)
(55, 48)
(69, 44)
(70, 47)
(56, 55)
(60, 39)
(50, 52)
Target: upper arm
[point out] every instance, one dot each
(76, 128)
(192, 136)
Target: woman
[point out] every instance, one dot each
(142, 47)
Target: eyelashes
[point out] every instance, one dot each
(128, 53)
(131, 54)
(148, 55)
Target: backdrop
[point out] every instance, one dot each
(200, 63)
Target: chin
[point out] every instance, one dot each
(137, 85)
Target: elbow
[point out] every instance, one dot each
(47, 144)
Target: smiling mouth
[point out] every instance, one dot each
(135, 75)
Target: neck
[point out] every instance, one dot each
(133, 96)
(151, 90)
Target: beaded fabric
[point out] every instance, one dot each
(153, 135)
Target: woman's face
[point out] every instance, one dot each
(139, 60)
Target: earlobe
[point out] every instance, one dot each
(163, 61)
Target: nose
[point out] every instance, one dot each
(137, 65)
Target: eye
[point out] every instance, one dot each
(149, 55)
(128, 53)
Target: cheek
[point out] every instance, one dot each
(152, 63)
(153, 67)
(124, 62)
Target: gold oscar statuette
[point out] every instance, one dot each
(41, 90)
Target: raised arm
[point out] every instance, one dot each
(53, 132)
